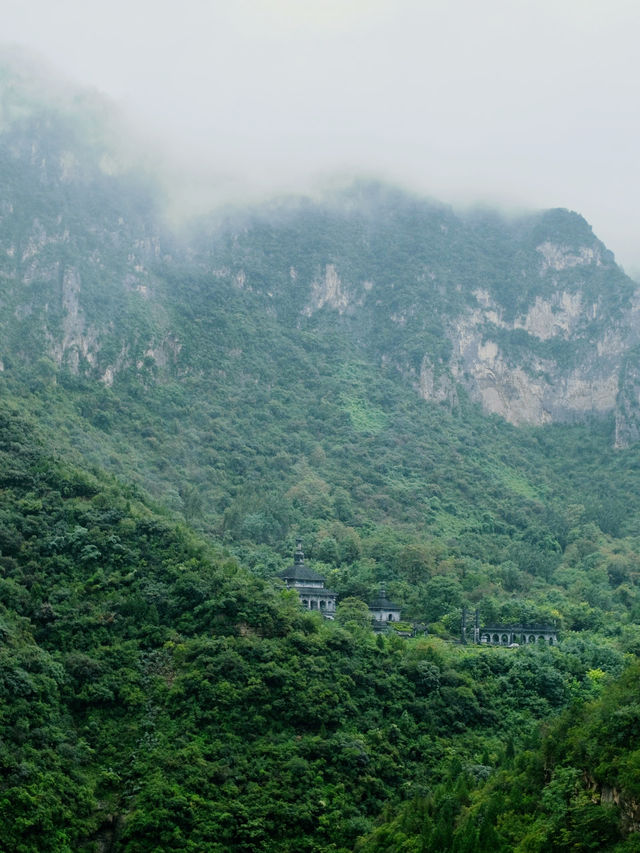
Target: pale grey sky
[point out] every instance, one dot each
(526, 104)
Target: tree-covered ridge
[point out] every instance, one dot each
(261, 378)
(92, 280)
(576, 789)
(418, 255)
(158, 696)
(86, 571)
(445, 508)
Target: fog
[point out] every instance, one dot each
(521, 104)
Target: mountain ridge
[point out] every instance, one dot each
(310, 369)
(531, 315)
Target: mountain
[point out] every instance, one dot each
(441, 402)
(530, 315)
(323, 367)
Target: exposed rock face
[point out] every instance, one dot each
(555, 343)
(436, 385)
(532, 317)
(76, 246)
(628, 807)
(557, 257)
(328, 290)
(627, 415)
(525, 386)
(79, 340)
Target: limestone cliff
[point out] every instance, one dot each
(531, 316)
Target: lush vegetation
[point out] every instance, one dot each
(173, 415)
(575, 788)
(157, 695)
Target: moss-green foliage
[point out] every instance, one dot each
(159, 690)
(527, 524)
(157, 696)
(575, 790)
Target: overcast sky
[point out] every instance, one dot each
(528, 104)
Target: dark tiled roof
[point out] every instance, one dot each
(383, 603)
(299, 571)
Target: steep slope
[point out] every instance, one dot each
(576, 790)
(315, 368)
(530, 315)
(155, 695)
(78, 230)
(266, 374)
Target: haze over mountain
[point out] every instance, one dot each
(528, 104)
(443, 404)
(530, 314)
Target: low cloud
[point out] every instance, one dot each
(525, 104)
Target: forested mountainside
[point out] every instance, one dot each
(530, 315)
(441, 403)
(157, 696)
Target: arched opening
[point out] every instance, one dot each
(322, 605)
(532, 638)
(305, 602)
(504, 640)
(390, 617)
(495, 639)
(314, 604)
(550, 641)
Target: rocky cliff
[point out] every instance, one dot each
(533, 318)
(530, 316)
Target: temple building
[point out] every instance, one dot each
(509, 635)
(309, 585)
(516, 635)
(383, 610)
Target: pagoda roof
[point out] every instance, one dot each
(299, 571)
(383, 603)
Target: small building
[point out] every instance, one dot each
(509, 635)
(383, 610)
(517, 635)
(309, 585)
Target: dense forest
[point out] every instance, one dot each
(177, 408)
(157, 695)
